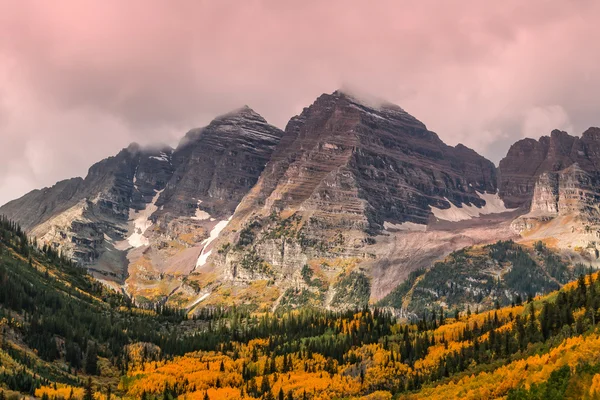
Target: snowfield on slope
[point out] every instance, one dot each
(214, 233)
(493, 205)
(141, 223)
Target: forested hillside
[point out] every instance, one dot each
(482, 277)
(66, 336)
(546, 348)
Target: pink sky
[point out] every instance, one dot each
(81, 79)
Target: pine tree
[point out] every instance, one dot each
(545, 321)
(265, 386)
(88, 390)
(91, 360)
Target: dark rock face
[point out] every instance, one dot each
(95, 206)
(213, 166)
(359, 165)
(528, 159)
(217, 165)
(402, 168)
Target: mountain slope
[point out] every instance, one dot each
(58, 324)
(483, 276)
(60, 327)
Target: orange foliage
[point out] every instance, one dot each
(534, 369)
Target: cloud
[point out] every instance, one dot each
(539, 121)
(81, 79)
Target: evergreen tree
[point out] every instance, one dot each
(88, 393)
(265, 386)
(91, 360)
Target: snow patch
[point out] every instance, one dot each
(405, 226)
(493, 205)
(162, 157)
(199, 299)
(200, 214)
(203, 258)
(214, 233)
(141, 223)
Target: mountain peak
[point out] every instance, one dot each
(134, 147)
(374, 106)
(240, 114)
(592, 133)
(362, 99)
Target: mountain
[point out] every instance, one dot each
(556, 180)
(346, 177)
(336, 210)
(143, 214)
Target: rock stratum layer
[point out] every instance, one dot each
(527, 159)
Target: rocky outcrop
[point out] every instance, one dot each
(571, 191)
(527, 159)
(215, 166)
(564, 210)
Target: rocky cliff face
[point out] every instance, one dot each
(528, 159)
(565, 211)
(80, 215)
(215, 166)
